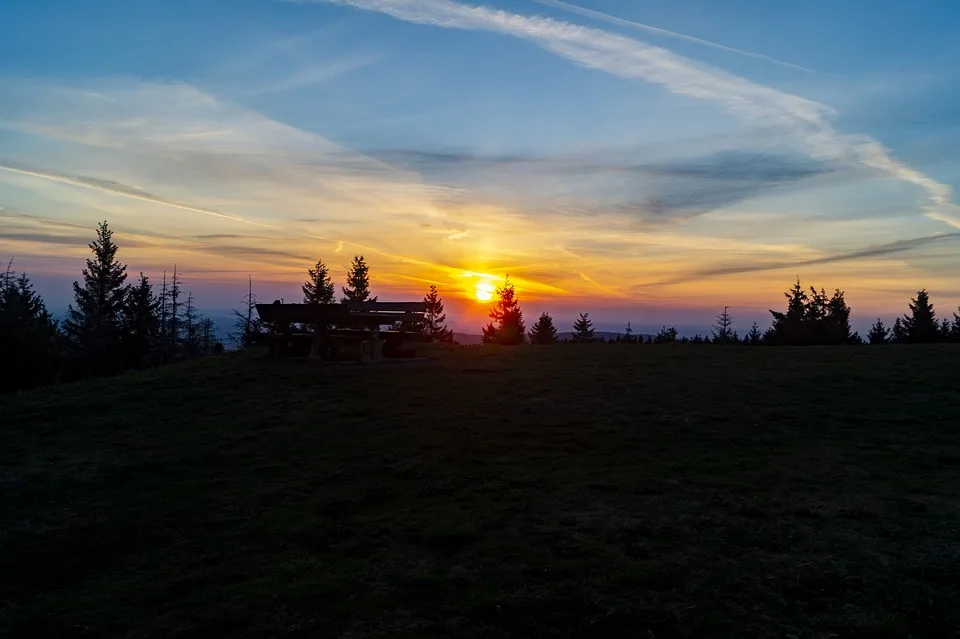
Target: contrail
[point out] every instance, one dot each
(122, 190)
(606, 17)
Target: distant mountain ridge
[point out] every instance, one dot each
(468, 339)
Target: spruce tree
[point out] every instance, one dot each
(583, 329)
(723, 327)
(192, 343)
(837, 321)
(141, 325)
(665, 335)
(898, 334)
(247, 328)
(955, 327)
(790, 327)
(433, 326)
(175, 308)
(879, 334)
(921, 324)
(543, 331)
(628, 336)
(318, 289)
(29, 342)
(357, 289)
(753, 336)
(93, 324)
(507, 325)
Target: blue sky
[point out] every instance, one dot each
(646, 161)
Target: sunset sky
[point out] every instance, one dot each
(647, 161)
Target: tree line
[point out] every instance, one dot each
(111, 326)
(811, 318)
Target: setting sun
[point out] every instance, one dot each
(484, 291)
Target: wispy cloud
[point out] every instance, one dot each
(606, 17)
(628, 58)
(115, 188)
(880, 250)
(314, 74)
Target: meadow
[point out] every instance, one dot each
(569, 490)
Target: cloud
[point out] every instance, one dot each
(880, 250)
(314, 74)
(809, 121)
(115, 188)
(606, 17)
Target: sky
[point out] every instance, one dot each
(648, 161)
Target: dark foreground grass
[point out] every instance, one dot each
(567, 491)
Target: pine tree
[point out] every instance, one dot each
(29, 342)
(921, 325)
(141, 325)
(583, 329)
(723, 328)
(628, 336)
(318, 289)
(879, 334)
(543, 332)
(432, 327)
(955, 327)
(93, 321)
(753, 336)
(163, 321)
(174, 307)
(507, 326)
(208, 336)
(357, 289)
(898, 334)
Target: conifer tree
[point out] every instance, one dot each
(507, 326)
(723, 327)
(192, 343)
(628, 336)
(753, 336)
(921, 324)
(837, 321)
(357, 289)
(955, 327)
(433, 326)
(879, 334)
(665, 335)
(141, 325)
(318, 289)
(583, 329)
(93, 321)
(247, 328)
(175, 309)
(898, 334)
(788, 328)
(29, 342)
(543, 331)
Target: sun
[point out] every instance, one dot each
(484, 291)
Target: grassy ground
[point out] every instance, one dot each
(596, 490)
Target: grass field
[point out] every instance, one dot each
(595, 490)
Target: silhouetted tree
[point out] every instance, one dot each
(788, 328)
(753, 336)
(208, 336)
(723, 327)
(432, 327)
(93, 321)
(879, 334)
(357, 289)
(583, 329)
(192, 329)
(543, 332)
(507, 325)
(175, 308)
(837, 321)
(628, 336)
(955, 327)
(898, 334)
(29, 342)
(247, 327)
(921, 324)
(318, 289)
(141, 325)
(665, 335)
(812, 319)
(697, 339)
